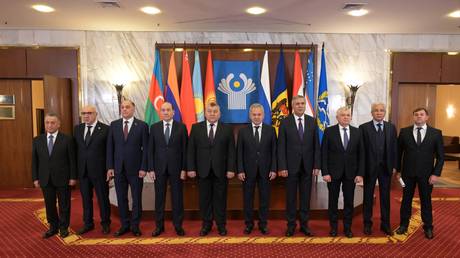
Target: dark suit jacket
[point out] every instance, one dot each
(337, 161)
(202, 156)
(93, 156)
(291, 150)
(252, 156)
(417, 161)
(170, 155)
(369, 134)
(60, 166)
(132, 153)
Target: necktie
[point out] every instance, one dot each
(256, 135)
(50, 144)
(419, 135)
(379, 125)
(125, 130)
(211, 134)
(300, 129)
(88, 135)
(345, 138)
(167, 133)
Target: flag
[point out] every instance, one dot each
(309, 84)
(280, 98)
(298, 82)
(172, 89)
(155, 98)
(187, 102)
(198, 88)
(238, 82)
(322, 118)
(264, 91)
(209, 87)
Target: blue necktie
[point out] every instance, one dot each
(50, 144)
(345, 138)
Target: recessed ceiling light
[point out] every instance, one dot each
(452, 53)
(358, 12)
(178, 49)
(256, 10)
(43, 8)
(150, 10)
(247, 50)
(455, 14)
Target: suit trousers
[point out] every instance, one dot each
(249, 185)
(88, 185)
(213, 199)
(161, 187)
(300, 180)
(384, 194)
(122, 182)
(348, 189)
(50, 193)
(424, 192)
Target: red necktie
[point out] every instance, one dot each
(125, 130)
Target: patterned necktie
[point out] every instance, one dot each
(50, 144)
(300, 129)
(88, 135)
(211, 134)
(167, 133)
(345, 138)
(379, 125)
(419, 136)
(125, 130)
(256, 135)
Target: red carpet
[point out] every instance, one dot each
(21, 229)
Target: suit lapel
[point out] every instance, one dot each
(174, 129)
(251, 134)
(131, 130)
(427, 135)
(56, 143)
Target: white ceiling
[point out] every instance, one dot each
(325, 16)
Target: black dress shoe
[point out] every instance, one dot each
(121, 232)
(401, 230)
(367, 230)
(105, 229)
(429, 233)
(387, 231)
(348, 233)
(306, 231)
(222, 231)
(263, 230)
(248, 230)
(63, 233)
(51, 232)
(180, 231)
(205, 231)
(333, 232)
(84, 230)
(290, 231)
(158, 231)
(136, 231)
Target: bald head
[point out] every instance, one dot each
(89, 114)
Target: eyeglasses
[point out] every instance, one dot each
(86, 113)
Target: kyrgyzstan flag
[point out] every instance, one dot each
(209, 87)
(187, 102)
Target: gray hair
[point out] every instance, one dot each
(256, 105)
(376, 104)
(342, 109)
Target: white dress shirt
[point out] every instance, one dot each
(209, 127)
(376, 125)
(254, 130)
(342, 133)
(93, 125)
(130, 123)
(170, 122)
(54, 137)
(302, 121)
(422, 131)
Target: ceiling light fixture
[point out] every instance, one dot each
(150, 10)
(454, 14)
(256, 10)
(43, 8)
(358, 12)
(452, 53)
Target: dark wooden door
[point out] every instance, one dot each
(16, 136)
(58, 100)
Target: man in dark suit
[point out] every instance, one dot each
(380, 142)
(54, 170)
(127, 145)
(167, 161)
(298, 160)
(256, 153)
(342, 154)
(91, 140)
(211, 154)
(419, 145)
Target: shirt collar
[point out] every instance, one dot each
(377, 122)
(341, 127)
(53, 134)
(208, 123)
(297, 117)
(129, 120)
(170, 122)
(254, 125)
(93, 125)
(423, 127)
